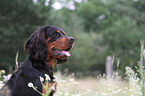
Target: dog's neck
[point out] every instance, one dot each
(50, 61)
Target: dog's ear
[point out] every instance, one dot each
(36, 46)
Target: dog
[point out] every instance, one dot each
(45, 46)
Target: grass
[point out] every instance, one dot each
(102, 85)
(99, 86)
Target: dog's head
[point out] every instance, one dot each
(49, 41)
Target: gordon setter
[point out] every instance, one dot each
(45, 46)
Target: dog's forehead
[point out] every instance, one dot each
(59, 29)
(51, 29)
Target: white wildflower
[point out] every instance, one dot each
(103, 74)
(141, 94)
(64, 88)
(116, 86)
(54, 80)
(104, 94)
(109, 89)
(6, 78)
(114, 92)
(129, 71)
(1, 82)
(41, 78)
(60, 93)
(88, 90)
(9, 76)
(125, 87)
(124, 92)
(71, 79)
(76, 83)
(30, 84)
(118, 91)
(3, 71)
(130, 89)
(66, 94)
(47, 77)
(63, 80)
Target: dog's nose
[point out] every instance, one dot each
(71, 39)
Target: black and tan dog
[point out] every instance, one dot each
(45, 46)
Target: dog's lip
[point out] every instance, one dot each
(69, 48)
(57, 52)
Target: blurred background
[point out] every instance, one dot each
(101, 28)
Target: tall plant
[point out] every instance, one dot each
(141, 69)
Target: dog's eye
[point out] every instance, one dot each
(56, 34)
(54, 37)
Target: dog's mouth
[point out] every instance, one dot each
(61, 53)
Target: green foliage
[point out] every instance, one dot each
(91, 12)
(100, 28)
(124, 33)
(141, 69)
(120, 27)
(124, 44)
(18, 20)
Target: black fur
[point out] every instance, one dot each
(34, 65)
(18, 83)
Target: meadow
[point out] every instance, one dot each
(101, 85)
(131, 85)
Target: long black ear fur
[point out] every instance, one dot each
(36, 46)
